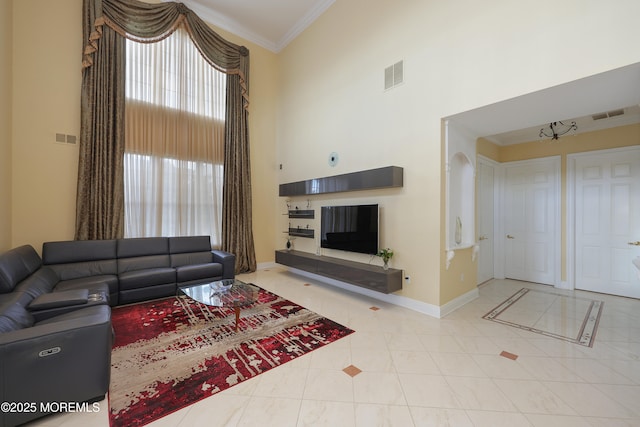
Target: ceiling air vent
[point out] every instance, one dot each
(393, 75)
(608, 114)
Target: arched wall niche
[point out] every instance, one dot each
(460, 188)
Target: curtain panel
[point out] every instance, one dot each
(100, 198)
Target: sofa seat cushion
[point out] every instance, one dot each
(187, 273)
(149, 277)
(106, 283)
(13, 317)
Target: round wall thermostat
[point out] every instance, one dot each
(333, 159)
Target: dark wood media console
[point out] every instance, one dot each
(356, 273)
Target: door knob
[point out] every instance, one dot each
(483, 237)
(634, 243)
(509, 236)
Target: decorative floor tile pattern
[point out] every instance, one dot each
(351, 370)
(539, 315)
(509, 355)
(418, 370)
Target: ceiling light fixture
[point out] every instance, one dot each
(557, 129)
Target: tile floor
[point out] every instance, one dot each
(420, 371)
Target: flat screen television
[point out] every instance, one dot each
(350, 228)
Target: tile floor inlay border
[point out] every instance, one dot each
(586, 333)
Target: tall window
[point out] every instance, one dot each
(174, 140)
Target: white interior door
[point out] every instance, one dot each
(486, 180)
(531, 216)
(607, 221)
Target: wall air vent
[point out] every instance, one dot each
(393, 75)
(608, 114)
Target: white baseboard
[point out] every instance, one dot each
(458, 302)
(399, 300)
(266, 265)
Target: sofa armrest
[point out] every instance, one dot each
(59, 299)
(66, 360)
(228, 261)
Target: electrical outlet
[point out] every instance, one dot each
(407, 279)
(462, 277)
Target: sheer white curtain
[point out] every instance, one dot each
(174, 140)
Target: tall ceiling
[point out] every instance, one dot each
(271, 24)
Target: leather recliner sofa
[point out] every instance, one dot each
(56, 354)
(137, 269)
(55, 319)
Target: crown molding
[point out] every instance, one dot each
(230, 25)
(303, 23)
(224, 22)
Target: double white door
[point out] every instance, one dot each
(603, 223)
(607, 221)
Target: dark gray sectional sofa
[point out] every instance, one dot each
(137, 269)
(55, 316)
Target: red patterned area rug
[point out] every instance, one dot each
(173, 352)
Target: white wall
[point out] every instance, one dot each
(458, 55)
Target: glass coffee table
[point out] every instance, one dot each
(223, 293)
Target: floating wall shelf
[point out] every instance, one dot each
(300, 213)
(301, 232)
(387, 177)
(356, 273)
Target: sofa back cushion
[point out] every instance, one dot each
(80, 258)
(41, 282)
(14, 317)
(190, 250)
(16, 265)
(142, 253)
(72, 251)
(180, 245)
(191, 258)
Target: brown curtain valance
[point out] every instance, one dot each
(148, 23)
(100, 196)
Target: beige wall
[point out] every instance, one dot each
(623, 136)
(47, 52)
(5, 123)
(46, 84)
(458, 55)
(323, 93)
